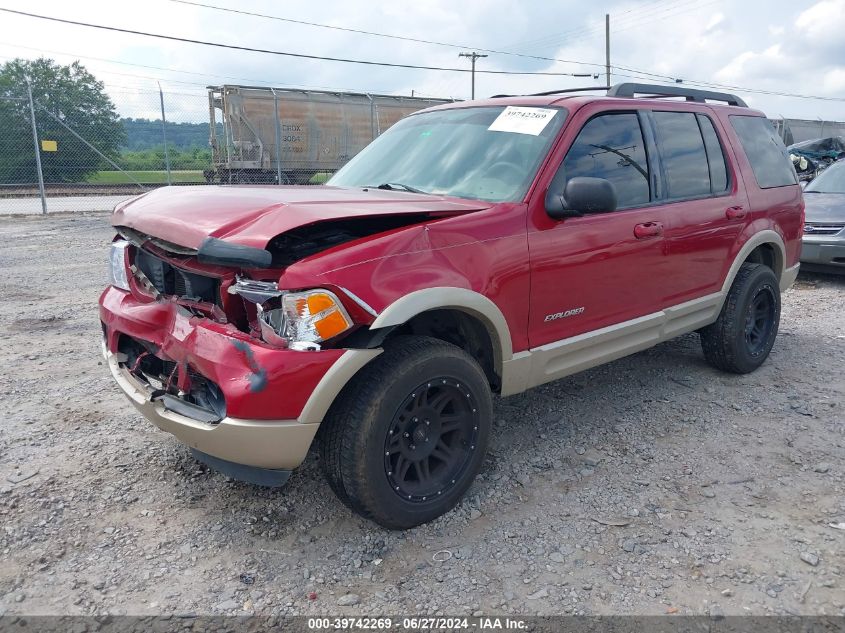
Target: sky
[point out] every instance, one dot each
(776, 46)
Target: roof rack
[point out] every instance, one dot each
(631, 90)
(554, 92)
(558, 92)
(691, 94)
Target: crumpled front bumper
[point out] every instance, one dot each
(275, 398)
(275, 444)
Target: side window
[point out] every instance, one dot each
(765, 151)
(684, 157)
(611, 146)
(715, 154)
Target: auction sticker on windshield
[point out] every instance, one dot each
(522, 120)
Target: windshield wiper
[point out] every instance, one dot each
(390, 186)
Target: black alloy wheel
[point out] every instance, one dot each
(407, 436)
(744, 333)
(759, 320)
(431, 439)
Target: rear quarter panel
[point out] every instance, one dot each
(780, 209)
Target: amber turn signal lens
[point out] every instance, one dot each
(320, 301)
(314, 316)
(331, 325)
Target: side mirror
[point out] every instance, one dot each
(581, 195)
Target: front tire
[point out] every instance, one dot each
(742, 337)
(407, 436)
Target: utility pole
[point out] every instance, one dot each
(37, 149)
(473, 56)
(607, 47)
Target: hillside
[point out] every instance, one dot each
(144, 134)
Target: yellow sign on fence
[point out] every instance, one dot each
(49, 146)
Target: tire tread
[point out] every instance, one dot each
(717, 339)
(341, 438)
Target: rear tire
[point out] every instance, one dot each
(407, 436)
(742, 337)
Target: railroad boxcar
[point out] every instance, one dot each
(283, 135)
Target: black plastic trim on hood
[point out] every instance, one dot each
(222, 253)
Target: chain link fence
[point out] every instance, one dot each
(798, 130)
(88, 153)
(80, 151)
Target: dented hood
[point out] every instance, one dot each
(253, 215)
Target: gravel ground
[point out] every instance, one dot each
(651, 485)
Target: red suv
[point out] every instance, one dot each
(474, 248)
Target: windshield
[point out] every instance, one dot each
(831, 180)
(484, 153)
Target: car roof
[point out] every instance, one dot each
(574, 102)
(672, 97)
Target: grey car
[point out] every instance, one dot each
(823, 246)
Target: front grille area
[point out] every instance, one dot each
(202, 399)
(172, 281)
(811, 228)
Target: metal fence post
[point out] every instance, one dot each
(91, 147)
(37, 148)
(278, 128)
(164, 133)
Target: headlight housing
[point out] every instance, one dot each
(117, 265)
(306, 318)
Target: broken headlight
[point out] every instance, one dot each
(298, 320)
(309, 317)
(117, 265)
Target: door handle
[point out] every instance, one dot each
(735, 213)
(647, 230)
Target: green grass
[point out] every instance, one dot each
(145, 177)
(320, 178)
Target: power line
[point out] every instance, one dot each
(643, 12)
(621, 24)
(645, 8)
(656, 16)
(273, 52)
(425, 41)
(760, 91)
(636, 17)
(393, 65)
(376, 34)
(549, 41)
(251, 80)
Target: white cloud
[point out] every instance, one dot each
(823, 20)
(750, 65)
(716, 22)
(691, 41)
(834, 81)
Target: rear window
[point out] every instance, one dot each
(765, 151)
(684, 156)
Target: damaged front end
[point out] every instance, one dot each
(223, 326)
(297, 320)
(208, 333)
(203, 340)
(176, 385)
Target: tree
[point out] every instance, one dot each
(68, 93)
